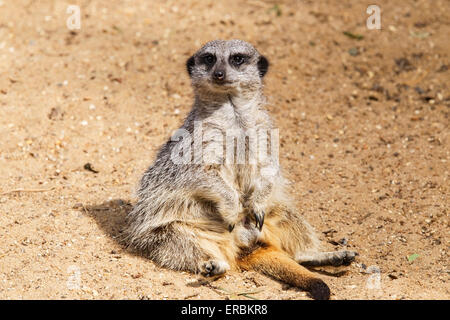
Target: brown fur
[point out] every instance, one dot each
(277, 264)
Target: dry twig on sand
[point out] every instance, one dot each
(25, 190)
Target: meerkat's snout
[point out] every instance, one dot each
(219, 76)
(219, 73)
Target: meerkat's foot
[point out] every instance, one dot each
(214, 267)
(335, 258)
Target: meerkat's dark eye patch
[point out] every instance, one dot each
(263, 66)
(238, 59)
(208, 59)
(190, 65)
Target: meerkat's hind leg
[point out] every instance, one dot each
(333, 258)
(277, 264)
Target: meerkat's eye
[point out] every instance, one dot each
(208, 59)
(237, 59)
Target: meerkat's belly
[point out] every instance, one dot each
(241, 178)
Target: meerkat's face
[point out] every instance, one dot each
(227, 66)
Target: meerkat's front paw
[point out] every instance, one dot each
(214, 267)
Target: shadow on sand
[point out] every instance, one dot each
(110, 216)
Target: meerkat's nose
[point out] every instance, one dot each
(219, 75)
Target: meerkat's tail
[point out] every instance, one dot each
(276, 264)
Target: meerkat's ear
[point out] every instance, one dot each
(263, 66)
(190, 65)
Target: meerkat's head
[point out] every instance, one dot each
(227, 67)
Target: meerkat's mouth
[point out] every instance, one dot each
(221, 83)
(222, 87)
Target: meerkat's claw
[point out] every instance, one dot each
(259, 219)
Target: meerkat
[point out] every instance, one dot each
(198, 211)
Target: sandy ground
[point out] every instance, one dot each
(364, 128)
